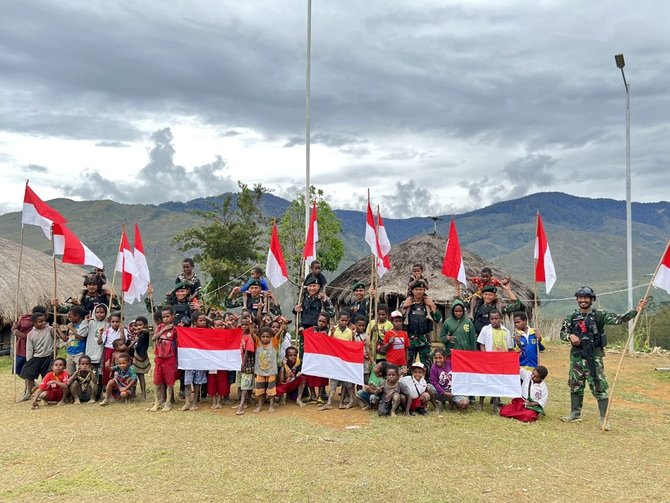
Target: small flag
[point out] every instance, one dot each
(662, 277)
(142, 278)
(333, 358)
(37, 212)
(485, 373)
(275, 267)
(452, 265)
(544, 266)
(309, 253)
(67, 244)
(125, 264)
(209, 348)
(383, 262)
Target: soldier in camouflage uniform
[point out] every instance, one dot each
(420, 314)
(584, 329)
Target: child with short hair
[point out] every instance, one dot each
(417, 273)
(165, 361)
(265, 370)
(248, 364)
(194, 379)
(290, 376)
(528, 341)
(396, 341)
(122, 384)
(315, 272)
(94, 350)
(494, 337)
(360, 335)
(106, 337)
(39, 351)
(534, 396)
(376, 330)
(368, 397)
(83, 384)
(391, 398)
(53, 386)
(317, 385)
(342, 332)
(141, 360)
(415, 388)
(256, 274)
(218, 386)
(75, 335)
(440, 382)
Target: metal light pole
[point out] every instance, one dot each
(308, 127)
(620, 63)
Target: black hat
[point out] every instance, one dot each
(419, 283)
(180, 286)
(489, 288)
(311, 280)
(254, 282)
(585, 291)
(357, 285)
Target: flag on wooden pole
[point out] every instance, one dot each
(383, 262)
(371, 232)
(125, 264)
(452, 265)
(662, 278)
(309, 253)
(275, 267)
(544, 265)
(142, 278)
(37, 212)
(73, 251)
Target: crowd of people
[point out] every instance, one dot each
(404, 373)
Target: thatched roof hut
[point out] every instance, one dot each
(37, 284)
(429, 251)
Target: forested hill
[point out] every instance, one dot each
(586, 236)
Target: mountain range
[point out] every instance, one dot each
(587, 237)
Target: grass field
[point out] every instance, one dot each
(90, 453)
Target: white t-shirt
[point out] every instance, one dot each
(411, 387)
(110, 335)
(538, 391)
(486, 337)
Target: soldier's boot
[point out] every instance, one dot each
(576, 401)
(602, 407)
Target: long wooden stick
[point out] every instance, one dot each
(112, 293)
(53, 253)
(630, 336)
(18, 310)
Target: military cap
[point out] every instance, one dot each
(489, 288)
(311, 281)
(254, 282)
(357, 285)
(419, 283)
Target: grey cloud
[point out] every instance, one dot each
(328, 139)
(159, 181)
(36, 168)
(111, 144)
(526, 173)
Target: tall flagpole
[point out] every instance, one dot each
(536, 312)
(308, 127)
(629, 341)
(111, 295)
(18, 308)
(53, 253)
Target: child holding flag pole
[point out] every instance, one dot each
(660, 279)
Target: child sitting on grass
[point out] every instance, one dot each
(440, 382)
(534, 393)
(368, 397)
(83, 384)
(414, 387)
(265, 370)
(290, 376)
(122, 384)
(391, 398)
(53, 386)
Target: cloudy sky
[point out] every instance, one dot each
(435, 106)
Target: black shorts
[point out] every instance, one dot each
(385, 407)
(37, 366)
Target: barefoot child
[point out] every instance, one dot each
(141, 360)
(165, 361)
(414, 387)
(369, 396)
(265, 370)
(122, 384)
(106, 338)
(53, 386)
(290, 376)
(39, 351)
(194, 379)
(83, 384)
(391, 398)
(534, 394)
(218, 386)
(342, 332)
(248, 364)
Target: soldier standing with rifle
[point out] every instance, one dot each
(584, 329)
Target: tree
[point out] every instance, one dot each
(330, 248)
(230, 242)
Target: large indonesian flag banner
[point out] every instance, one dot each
(485, 373)
(209, 348)
(37, 212)
(662, 278)
(332, 358)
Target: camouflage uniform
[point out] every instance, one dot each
(580, 368)
(419, 325)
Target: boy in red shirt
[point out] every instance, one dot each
(54, 384)
(396, 341)
(165, 361)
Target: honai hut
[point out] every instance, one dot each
(427, 250)
(36, 284)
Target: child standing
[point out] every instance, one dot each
(248, 364)
(528, 341)
(122, 384)
(494, 337)
(39, 351)
(53, 386)
(218, 386)
(141, 360)
(360, 335)
(83, 384)
(396, 342)
(94, 350)
(165, 361)
(194, 379)
(106, 338)
(342, 332)
(265, 370)
(534, 393)
(75, 335)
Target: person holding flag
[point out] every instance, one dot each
(584, 329)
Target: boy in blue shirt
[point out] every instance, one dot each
(527, 341)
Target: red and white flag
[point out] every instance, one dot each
(452, 265)
(309, 253)
(275, 267)
(383, 262)
(67, 244)
(485, 373)
(332, 358)
(544, 266)
(142, 278)
(662, 277)
(125, 264)
(209, 348)
(37, 212)
(371, 232)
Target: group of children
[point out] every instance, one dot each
(106, 361)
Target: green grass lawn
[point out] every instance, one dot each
(90, 453)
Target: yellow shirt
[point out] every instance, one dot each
(499, 339)
(343, 335)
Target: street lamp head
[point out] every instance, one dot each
(619, 61)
